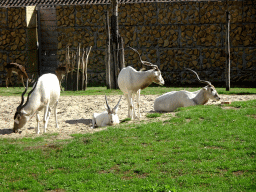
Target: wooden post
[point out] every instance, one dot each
(114, 57)
(122, 61)
(67, 66)
(227, 52)
(116, 62)
(112, 68)
(78, 66)
(88, 50)
(83, 70)
(115, 35)
(73, 67)
(108, 53)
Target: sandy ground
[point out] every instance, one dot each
(74, 114)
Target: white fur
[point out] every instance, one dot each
(44, 96)
(104, 119)
(131, 81)
(109, 117)
(172, 100)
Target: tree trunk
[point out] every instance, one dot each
(227, 52)
(78, 66)
(83, 70)
(67, 67)
(114, 43)
(88, 50)
(108, 53)
(114, 57)
(122, 61)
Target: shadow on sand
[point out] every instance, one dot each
(6, 131)
(83, 121)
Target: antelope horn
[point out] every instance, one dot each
(143, 62)
(22, 97)
(202, 81)
(30, 93)
(107, 102)
(117, 103)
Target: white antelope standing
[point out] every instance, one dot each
(45, 93)
(131, 81)
(172, 100)
(108, 117)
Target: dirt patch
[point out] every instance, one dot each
(229, 107)
(238, 173)
(252, 116)
(75, 112)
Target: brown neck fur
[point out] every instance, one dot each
(146, 83)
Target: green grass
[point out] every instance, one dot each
(148, 91)
(153, 115)
(202, 148)
(125, 120)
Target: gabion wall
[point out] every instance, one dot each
(171, 35)
(16, 44)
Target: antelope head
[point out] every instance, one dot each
(210, 90)
(157, 77)
(20, 117)
(112, 113)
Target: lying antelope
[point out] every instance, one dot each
(17, 69)
(108, 117)
(45, 93)
(131, 81)
(172, 100)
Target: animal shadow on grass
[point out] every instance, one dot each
(83, 121)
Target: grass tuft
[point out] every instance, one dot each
(125, 120)
(153, 115)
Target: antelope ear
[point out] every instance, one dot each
(16, 121)
(115, 110)
(204, 88)
(23, 113)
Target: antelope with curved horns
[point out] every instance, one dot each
(17, 69)
(131, 81)
(45, 93)
(108, 117)
(172, 100)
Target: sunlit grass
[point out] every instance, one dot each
(148, 91)
(153, 115)
(201, 148)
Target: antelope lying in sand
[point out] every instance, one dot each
(45, 93)
(108, 117)
(17, 69)
(172, 100)
(131, 81)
